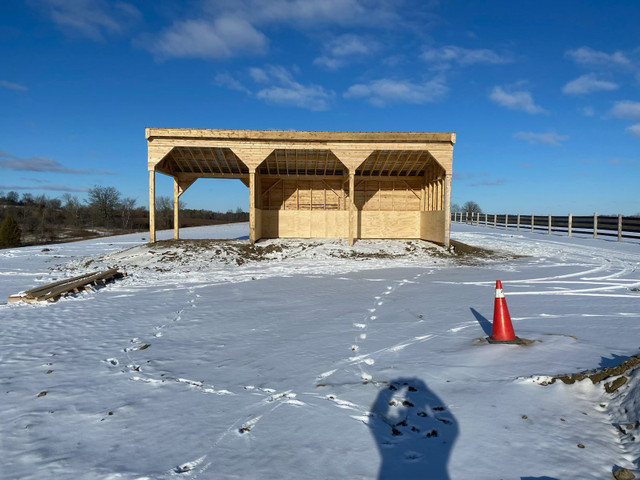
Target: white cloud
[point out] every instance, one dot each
(226, 80)
(587, 111)
(385, 91)
(221, 38)
(588, 83)
(315, 13)
(546, 138)
(463, 56)
(626, 109)
(515, 100)
(93, 19)
(284, 90)
(589, 56)
(634, 130)
(344, 49)
(13, 86)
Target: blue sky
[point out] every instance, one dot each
(544, 96)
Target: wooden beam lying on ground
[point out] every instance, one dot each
(54, 291)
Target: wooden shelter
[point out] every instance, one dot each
(350, 185)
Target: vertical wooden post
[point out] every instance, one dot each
(495, 220)
(176, 210)
(466, 217)
(518, 223)
(619, 227)
(595, 225)
(152, 206)
(533, 222)
(252, 205)
(549, 225)
(506, 221)
(447, 209)
(570, 223)
(352, 205)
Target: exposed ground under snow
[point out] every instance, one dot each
(314, 360)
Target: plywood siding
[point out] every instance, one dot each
(433, 226)
(304, 224)
(381, 224)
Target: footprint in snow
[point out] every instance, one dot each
(190, 467)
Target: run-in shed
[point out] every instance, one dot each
(350, 185)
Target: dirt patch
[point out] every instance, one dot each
(601, 374)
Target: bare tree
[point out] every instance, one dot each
(126, 208)
(471, 207)
(104, 201)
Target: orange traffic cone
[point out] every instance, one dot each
(502, 330)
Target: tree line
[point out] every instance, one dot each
(41, 219)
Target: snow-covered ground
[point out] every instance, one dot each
(296, 359)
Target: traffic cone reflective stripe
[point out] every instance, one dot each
(502, 328)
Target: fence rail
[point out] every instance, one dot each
(596, 225)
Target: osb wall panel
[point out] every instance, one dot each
(304, 224)
(295, 194)
(432, 226)
(389, 224)
(388, 195)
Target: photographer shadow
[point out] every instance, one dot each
(414, 431)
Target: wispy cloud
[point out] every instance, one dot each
(587, 111)
(515, 100)
(345, 49)
(588, 83)
(387, 91)
(588, 56)
(463, 56)
(13, 86)
(546, 138)
(42, 164)
(94, 19)
(227, 80)
(284, 90)
(626, 109)
(219, 30)
(55, 188)
(221, 38)
(634, 130)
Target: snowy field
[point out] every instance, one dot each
(215, 360)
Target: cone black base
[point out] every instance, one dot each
(515, 341)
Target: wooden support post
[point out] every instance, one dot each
(595, 225)
(569, 223)
(352, 205)
(176, 210)
(252, 206)
(447, 209)
(152, 206)
(619, 227)
(518, 223)
(533, 222)
(549, 224)
(506, 221)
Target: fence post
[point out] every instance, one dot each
(518, 223)
(595, 225)
(619, 227)
(466, 217)
(486, 219)
(506, 221)
(569, 223)
(549, 223)
(495, 220)
(533, 221)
